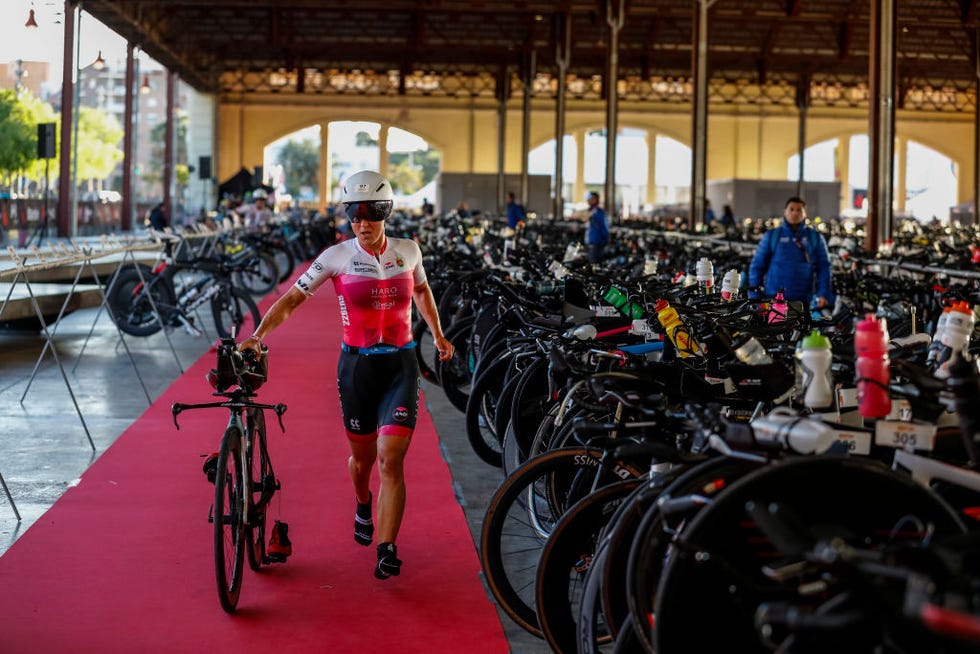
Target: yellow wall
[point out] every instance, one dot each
(744, 142)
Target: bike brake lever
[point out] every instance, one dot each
(176, 408)
(281, 409)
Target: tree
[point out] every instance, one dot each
(405, 179)
(18, 134)
(425, 163)
(99, 135)
(153, 174)
(300, 161)
(363, 140)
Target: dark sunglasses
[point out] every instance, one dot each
(374, 211)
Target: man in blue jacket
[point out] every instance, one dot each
(597, 235)
(793, 258)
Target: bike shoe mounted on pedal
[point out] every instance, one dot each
(389, 565)
(279, 545)
(211, 467)
(363, 525)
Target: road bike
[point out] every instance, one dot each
(244, 479)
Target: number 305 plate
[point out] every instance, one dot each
(905, 435)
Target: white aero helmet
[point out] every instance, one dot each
(366, 195)
(260, 194)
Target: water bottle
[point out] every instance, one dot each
(679, 278)
(936, 345)
(729, 284)
(675, 328)
(815, 360)
(777, 309)
(872, 367)
(559, 270)
(796, 433)
(705, 271)
(649, 265)
(752, 352)
(955, 337)
(615, 297)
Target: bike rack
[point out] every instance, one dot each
(22, 272)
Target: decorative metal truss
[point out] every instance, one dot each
(761, 52)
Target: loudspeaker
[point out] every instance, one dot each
(204, 167)
(45, 140)
(257, 177)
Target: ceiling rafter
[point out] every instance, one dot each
(202, 40)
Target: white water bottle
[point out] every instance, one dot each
(795, 433)
(705, 272)
(955, 336)
(729, 284)
(937, 337)
(815, 360)
(649, 265)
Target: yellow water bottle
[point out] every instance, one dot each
(675, 328)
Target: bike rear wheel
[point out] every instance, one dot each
(135, 297)
(229, 520)
(522, 514)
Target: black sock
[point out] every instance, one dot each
(363, 525)
(389, 565)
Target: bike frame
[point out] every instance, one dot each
(237, 403)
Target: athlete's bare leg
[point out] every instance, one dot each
(364, 452)
(391, 452)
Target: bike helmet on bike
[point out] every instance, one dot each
(366, 195)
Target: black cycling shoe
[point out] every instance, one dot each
(389, 565)
(363, 525)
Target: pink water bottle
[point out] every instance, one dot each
(777, 310)
(872, 368)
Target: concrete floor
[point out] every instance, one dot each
(45, 448)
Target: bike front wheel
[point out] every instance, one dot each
(234, 309)
(263, 486)
(229, 521)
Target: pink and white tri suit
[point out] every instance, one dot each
(377, 373)
(375, 294)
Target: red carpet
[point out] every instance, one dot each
(123, 561)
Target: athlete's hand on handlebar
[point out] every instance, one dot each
(445, 348)
(251, 343)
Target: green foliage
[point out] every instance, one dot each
(99, 137)
(300, 162)
(18, 133)
(424, 165)
(405, 178)
(158, 141)
(363, 140)
(182, 173)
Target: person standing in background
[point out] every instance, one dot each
(597, 236)
(516, 216)
(792, 258)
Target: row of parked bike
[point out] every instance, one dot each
(216, 270)
(685, 469)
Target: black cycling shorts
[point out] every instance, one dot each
(379, 392)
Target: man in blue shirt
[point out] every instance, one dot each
(515, 212)
(793, 258)
(597, 235)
